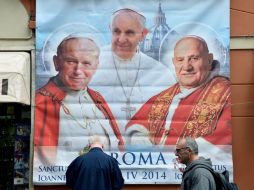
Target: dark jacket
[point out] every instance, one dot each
(94, 170)
(196, 178)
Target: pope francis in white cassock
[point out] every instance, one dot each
(126, 77)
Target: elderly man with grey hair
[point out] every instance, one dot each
(127, 77)
(94, 170)
(197, 175)
(68, 111)
(198, 105)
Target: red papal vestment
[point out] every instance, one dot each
(48, 101)
(206, 112)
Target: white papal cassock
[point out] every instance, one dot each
(127, 84)
(83, 119)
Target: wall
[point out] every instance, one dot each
(242, 78)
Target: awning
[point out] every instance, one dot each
(15, 77)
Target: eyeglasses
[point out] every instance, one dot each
(177, 150)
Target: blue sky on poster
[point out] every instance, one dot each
(94, 16)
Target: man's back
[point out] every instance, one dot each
(94, 170)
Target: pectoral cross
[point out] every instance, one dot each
(128, 109)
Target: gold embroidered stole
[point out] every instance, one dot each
(159, 111)
(203, 117)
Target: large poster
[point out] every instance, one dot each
(141, 75)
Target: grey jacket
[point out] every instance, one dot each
(196, 178)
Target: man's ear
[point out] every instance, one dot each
(56, 62)
(96, 62)
(144, 33)
(173, 60)
(210, 58)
